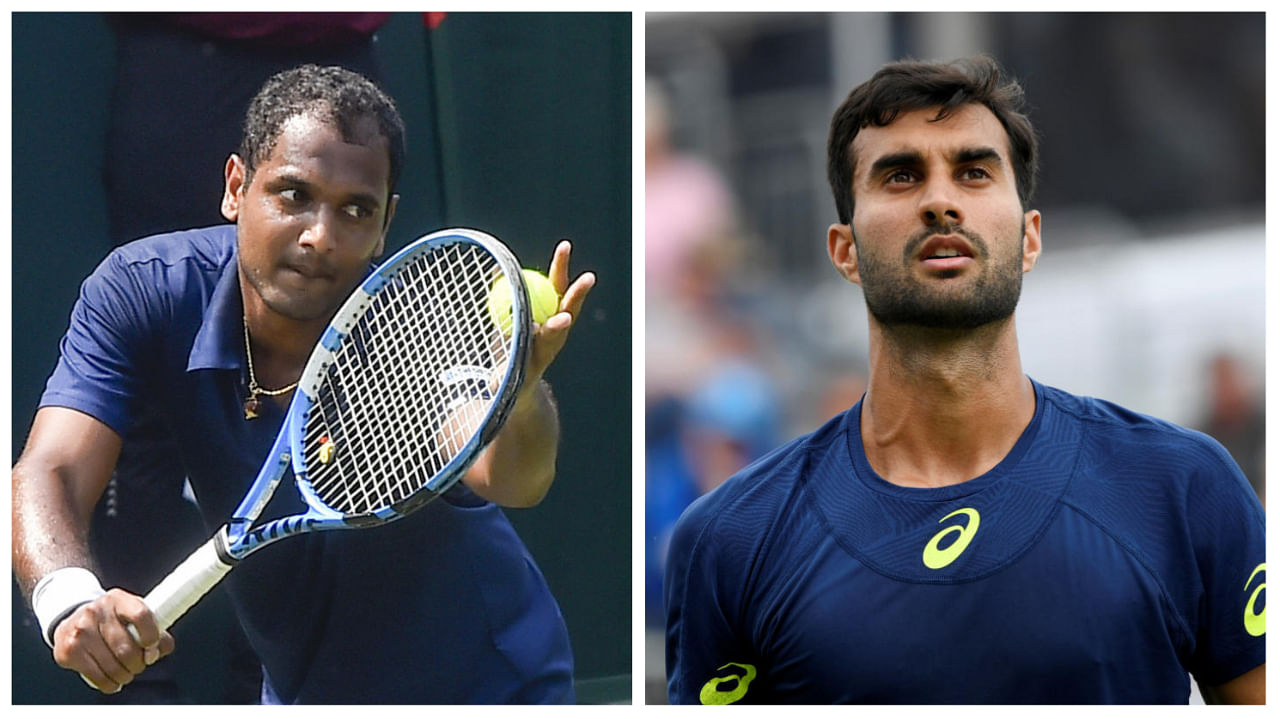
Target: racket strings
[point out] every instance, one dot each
(471, 398)
(409, 385)
(394, 420)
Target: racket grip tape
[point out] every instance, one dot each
(185, 585)
(190, 581)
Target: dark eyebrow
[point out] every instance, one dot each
(911, 158)
(894, 161)
(976, 154)
(359, 198)
(368, 200)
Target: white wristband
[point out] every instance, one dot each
(59, 593)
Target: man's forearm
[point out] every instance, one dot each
(519, 466)
(48, 533)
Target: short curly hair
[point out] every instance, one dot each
(333, 94)
(911, 85)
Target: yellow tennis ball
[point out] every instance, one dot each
(543, 299)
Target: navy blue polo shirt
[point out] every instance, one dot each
(1108, 556)
(445, 606)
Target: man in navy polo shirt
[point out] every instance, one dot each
(199, 336)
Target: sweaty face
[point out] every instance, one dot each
(312, 216)
(941, 239)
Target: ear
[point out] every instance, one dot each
(1030, 240)
(233, 192)
(843, 252)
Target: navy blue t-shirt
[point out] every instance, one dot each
(445, 606)
(1106, 557)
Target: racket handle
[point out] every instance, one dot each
(185, 585)
(190, 581)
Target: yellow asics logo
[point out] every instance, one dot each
(1255, 623)
(935, 558)
(712, 694)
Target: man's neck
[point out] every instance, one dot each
(280, 345)
(943, 406)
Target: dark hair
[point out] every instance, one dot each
(910, 85)
(333, 94)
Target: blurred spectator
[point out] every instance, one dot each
(183, 81)
(840, 392)
(733, 419)
(669, 488)
(710, 408)
(693, 444)
(1235, 417)
(690, 251)
(689, 214)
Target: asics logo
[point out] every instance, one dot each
(1255, 622)
(935, 558)
(728, 689)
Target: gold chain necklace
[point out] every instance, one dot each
(253, 405)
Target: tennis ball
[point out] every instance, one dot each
(543, 299)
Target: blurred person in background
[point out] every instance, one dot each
(695, 443)
(963, 534)
(711, 407)
(1235, 417)
(690, 221)
(183, 81)
(690, 252)
(732, 420)
(839, 392)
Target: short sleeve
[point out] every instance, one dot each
(99, 366)
(708, 661)
(1228, 534)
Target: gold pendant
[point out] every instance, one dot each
(252, 406)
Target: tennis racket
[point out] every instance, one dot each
(408, 384)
